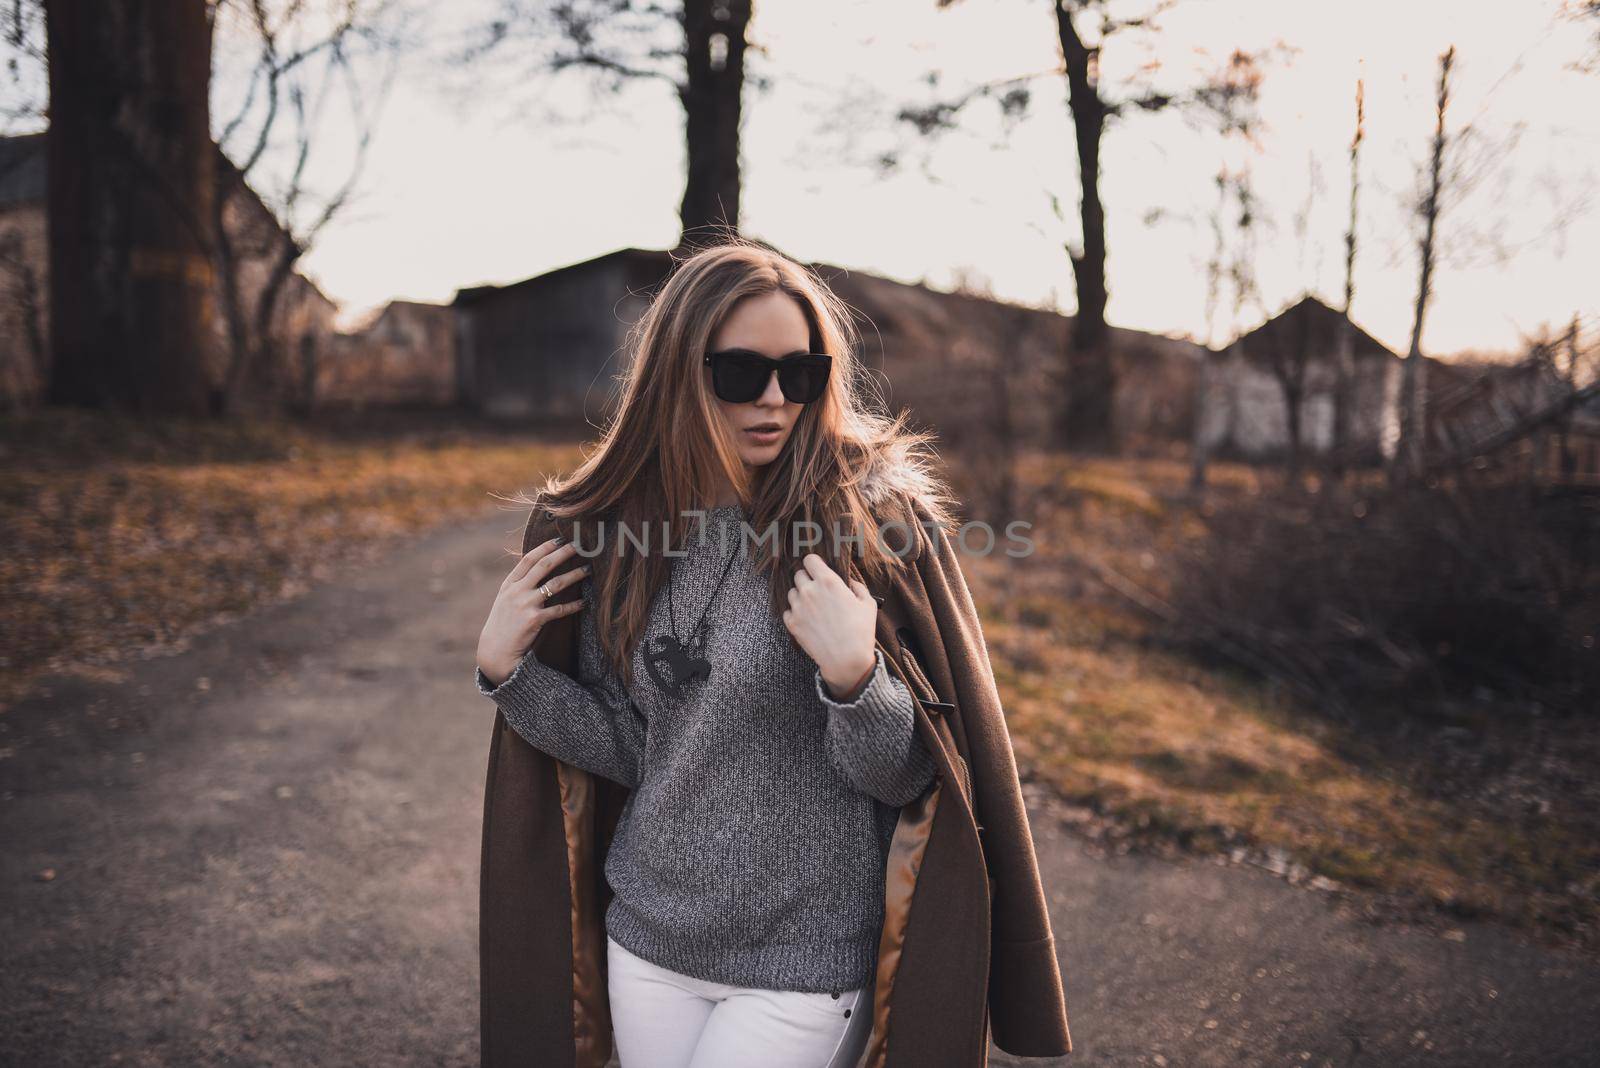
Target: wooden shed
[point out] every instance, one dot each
(548, 348)
(1245, 411)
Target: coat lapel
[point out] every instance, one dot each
(526, 899)
(933, 954)
(1026, 998)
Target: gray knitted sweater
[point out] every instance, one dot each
(752, 848)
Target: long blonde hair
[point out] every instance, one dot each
(659, 455)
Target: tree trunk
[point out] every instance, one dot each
(1413, 386)
(1289, 357)
(258, 357)
(1087, 417)
(1200, 452)
(1345, 366)
(714, 45)
(1344, 378)
(130, 175)
(1292, 396)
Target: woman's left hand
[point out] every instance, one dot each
(833, 622)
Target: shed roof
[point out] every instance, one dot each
(1320, 324)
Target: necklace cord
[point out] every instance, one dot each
(672, 620)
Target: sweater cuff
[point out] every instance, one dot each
(874, 692)
(507, 683)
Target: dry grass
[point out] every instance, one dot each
(1467, 807)
(125, 538)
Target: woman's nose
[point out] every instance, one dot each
(773, 394)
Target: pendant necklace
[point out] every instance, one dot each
(672, 662)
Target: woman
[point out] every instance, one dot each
(718, 555)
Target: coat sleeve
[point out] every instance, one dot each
(1027, 1004)
(872, 738)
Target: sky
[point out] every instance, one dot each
(490, 174)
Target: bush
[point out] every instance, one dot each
(1443, 588)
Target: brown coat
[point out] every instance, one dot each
(966, 943)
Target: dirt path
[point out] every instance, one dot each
(265, 851)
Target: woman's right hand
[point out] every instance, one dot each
(520, 611)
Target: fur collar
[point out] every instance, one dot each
(900, 482)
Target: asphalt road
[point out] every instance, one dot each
(264, 851)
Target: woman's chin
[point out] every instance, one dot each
(761, 455)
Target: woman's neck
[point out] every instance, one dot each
(724, 496)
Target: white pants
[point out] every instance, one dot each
(665, 1019)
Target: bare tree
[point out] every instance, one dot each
(1287, 348)
(1345, 364)
(1229, 97)
(23, 279)
(1587, 10)
(22, 291)
(301, 60)
(22, 46)
(1083, 30)
(1570, 379)
(713, 100)
(1086, 417)
(1287, 345)
(1199, 448)
(1234, 223)
(1408, 457)
(695, 46)
(251, 224)
(129, 277)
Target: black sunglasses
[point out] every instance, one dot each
(739, 375)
